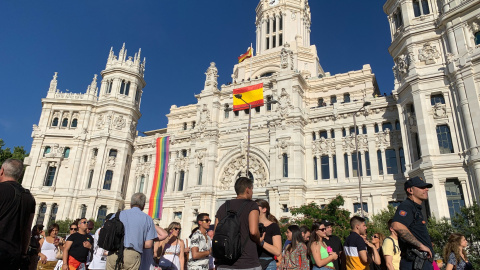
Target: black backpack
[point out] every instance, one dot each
(111, 237)
(227, 244)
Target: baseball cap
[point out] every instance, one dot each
(327, 222)
(416, 182)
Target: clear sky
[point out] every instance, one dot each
(179, 40)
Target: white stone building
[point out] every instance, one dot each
(87, 160)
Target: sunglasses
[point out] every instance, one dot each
(83, 222)
(207, 220)
(90, 229)
(322, 229)
(375, 236)
(73, 229)
(177, 229)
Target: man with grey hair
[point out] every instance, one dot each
(17, 208)
(139, 234)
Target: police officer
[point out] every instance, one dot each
(411, 226)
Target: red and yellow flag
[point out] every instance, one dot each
(252, 94)
(246, 55)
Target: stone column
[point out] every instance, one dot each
(451, 39)
(397, 157)
(263, 36)
(384, 162)
(277, 28)
(271, 33)
(350, 165)
(330, 164)
(48, 213)
(364, 165)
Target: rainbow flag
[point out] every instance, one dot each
(158, 189)
(246, 55)
(252, 94)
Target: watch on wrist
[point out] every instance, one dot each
(262, 243)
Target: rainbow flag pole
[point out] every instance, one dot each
(158, 188)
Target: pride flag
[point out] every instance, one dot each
(252, 94)
(246, 55)
(158, 188)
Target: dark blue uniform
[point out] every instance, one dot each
(410, 214)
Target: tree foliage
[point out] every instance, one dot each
(378, 223)
(64, 226)
(18, 153)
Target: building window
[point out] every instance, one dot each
(397, 17)
(386, 125)
(145, 158)
(280, 39)
(55, 122)
(315, 168)
(346, 98)
(268, 41)
(334, 160)
(376, 128)
(420, 7)
(65, 122)
(177, 215)
(353, 131)
(137, 95)
(357, 166)
(181, 180)
(194, 123)
(50, 176)
(268, 26)
(200, 174)
(107, 184)
(321, 103)
(127, 89)
(285, 165)
(102, 214)
(109, 87)
(323, 134)
(235, 113)
(83, 211)
(47, 150)
(53, 213)
(364, 129)
(367, 163)
(332, 134)
(402, 159)
(356, 207)
(74, 123)
(380, 162)
(184, 153)
(66, 152)
(454, 196)
(227, 111)
(333, 99)
(438, 98)
(112, 153)
(325, 167)
(425, 7)
(285, 208)
(95, 152)
(142, 183)
(274, 40)
(314, 136)
(477, 38)
(391, 160)
(344, 132)
(416, 8)
(185, 126)
(397, 125)
(122, 87)
(417, 147)
(345, 160)
(90, 179)
(444, 139)
(41, 213)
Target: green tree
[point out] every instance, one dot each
(439, 230)
(378, 223)
(18, 153)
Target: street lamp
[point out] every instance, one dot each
(359, 174)
(239, 96)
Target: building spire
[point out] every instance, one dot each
(53, 83)
(92, 88)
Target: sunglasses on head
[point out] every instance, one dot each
(207, 220)
(73, 229)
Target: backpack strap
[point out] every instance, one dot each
(20, 207)
(119, 262)
(239, 212)
(395, 248)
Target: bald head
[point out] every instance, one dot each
(12, 169)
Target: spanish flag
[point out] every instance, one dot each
(246, 55)
(252, 94)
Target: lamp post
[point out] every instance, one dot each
(239, 96)
(359, 174)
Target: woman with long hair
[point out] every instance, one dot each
(48, 248)
(454, 253)
(272, 242)
(172, 249)
(295, 256)
(377, 241)
(321, 255)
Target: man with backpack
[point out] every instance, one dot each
(200, 246)
(17, 208)
(391, 250)
(236, 230)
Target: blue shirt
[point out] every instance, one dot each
(139, 228)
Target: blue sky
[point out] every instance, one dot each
(179, 40)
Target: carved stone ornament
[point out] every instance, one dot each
(181, 163)
(284, 103)
(204, 118)
(428, 54)
(212, 75)
(119, 122)
(111, 161)
(439, 111)
(282, 146)
(286, 57)
(238, 166)
(133, 128)
(100, 121)
(200, 155)
(323, 146)
(386, 138)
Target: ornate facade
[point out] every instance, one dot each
(303, 145)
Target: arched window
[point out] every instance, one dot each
(41, 213)
(315, 168)
(345, 160)
(127, 89)
(181, 180)
(477, 38)
(112, 153)
(323, 134)
(200, 174)
(102, 214)
(346, 98)
(386, 125)
(356, 167)
(438, 98)
(83, 211)
(184, 153)
(325, 167)
(122, 87)
(333, 99)
(398, 18)
(53, 213)
(65, 122)
(391, 160)
(55, 122)
(266, 74)
(142, 183)
(109, 86)
(47, 150)
(380, 162)
(285, 165)
(66, 152)
(107, 183)
(444, 139)
(50, 176)
(74, 123)
(90, 179)
(455, 198)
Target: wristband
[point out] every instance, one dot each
(262, 243)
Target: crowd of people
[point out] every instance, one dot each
(241, 223)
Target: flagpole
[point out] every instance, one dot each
(251, 51)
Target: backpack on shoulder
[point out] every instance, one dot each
(111, 237)
(227, 246)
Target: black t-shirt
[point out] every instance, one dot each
(249, 258)
(270, 231)
(410, 214)
(336, 244)
(11, 229)
(77, 250)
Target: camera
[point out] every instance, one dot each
(261, 228)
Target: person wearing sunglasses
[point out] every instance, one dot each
(77, 247)
(355, 246)
(73, 229)
(172, 249)
(321, 255)
(200, 247)
(377, 241)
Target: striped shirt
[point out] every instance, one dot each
(352, 247)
